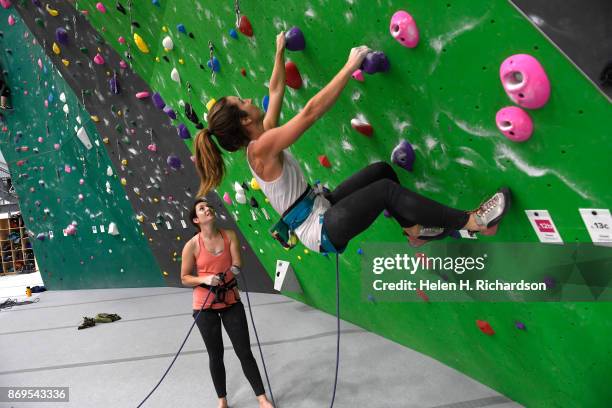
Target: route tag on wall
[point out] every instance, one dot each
(94, 229)
(599, 224)
(154, 226)
(168, 225)
(544, 226)
(101, 228)
(466, 234)
(184, 224)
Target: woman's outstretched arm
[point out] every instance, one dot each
(274, 141)
(277, 85)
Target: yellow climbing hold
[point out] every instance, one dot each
(174, 253)
(266, 200)
(181, 61)
(210, 104)
(123, 181)
(140, 218)
(306, 251)
(165, 29)
(52, 12)
(105, 140)
(157, 59)
(119, 113)
(178, 238)
(255, 184)
(141, 44)
(155, 200)
(299, 258)
(165, 273)
(124, 162)
(65, 62)
(95, 118)
(56, 48)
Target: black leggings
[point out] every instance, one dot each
(360, 199)
(235, 323)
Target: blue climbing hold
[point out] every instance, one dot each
(265, 102)
(215, 66)
(360, 251)
(233, 34)
(181, 28)
(50, 98)
(155, 2)
(371, 298)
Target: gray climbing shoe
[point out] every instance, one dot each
(428, 234)
(490, 213)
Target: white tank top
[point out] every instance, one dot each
(285, 190)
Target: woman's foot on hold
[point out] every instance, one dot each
(486, 217)
(419, 236)
(263, 402)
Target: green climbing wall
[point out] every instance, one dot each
(442, 97)
(47, 174)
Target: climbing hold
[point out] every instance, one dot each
(142, 95)
(55, 48)
(210, 104)
(404, 29)
(66, 109)
(141, 44)
(71, 229)
(52, 12)
(254, 184)
(374, 62)
(358, 75)
(61, 35)
(95, 118)
(525, 81)
(39, 21)
(293, 77)
(121, 40)
(112, 229)
(190, 113)
(155, 2)
(174, 162)
(550, 282)
(520, 325)
(123, 64)
(403, 155)
(114, 85)
(265, 102)
(227, 198)
(294, 40)
(174, 75)
(245, 27)
(514, 123)
(65, 62)
(56, 146)
(62, 97)
(485, 327)
(84, 50)
(168, 43)
(181, 28)
(183, 132)
(362, 126)
(98, 59)
(152, 147)
(158, 101)
(371, 297)
(123, 181)
(359, 251)
(214, 65)
(233, 33)
(101, 7)
(170, 112)
(253, 202)
(120, 8)
(324, 161)
(5, 3)
(243, 72)
(41, 236)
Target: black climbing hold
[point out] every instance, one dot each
(245, 186)
(253, 202)
(120, 8)
(190, 113)
(605, 78)
(166, 58)
(135, 24)
(199, 126)
(202, 66)
(191, 35)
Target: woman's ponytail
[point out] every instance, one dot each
(208, 161)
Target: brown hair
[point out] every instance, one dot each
(193, 214)
(224, 124)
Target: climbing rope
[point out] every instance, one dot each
(337, 328)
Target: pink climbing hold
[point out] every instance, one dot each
(227, 198)
(99, 59)
(142, 95)
(362, 126)
(56, 146)
(152, 147)
(404, 29)
(101, 7)
(39, 63)
(121, 40)
(514, 123)
(40, 139)
(5, 3)
(525, 81)
(11, 20)
(67, 168)
(123, 64)
(485, 327)
(358, 75)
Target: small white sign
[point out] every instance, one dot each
(101, 228)
(599, 224)
(154, 226)
(544, 226)
(466, 234)
(168, 225)
(184, 224)
(94, 229)
(50, 234)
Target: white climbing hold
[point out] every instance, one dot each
(112, 229)
(66, 109)
(168, 43)
(63, 97)
(84, 138)
(109, 171)
(175, 75)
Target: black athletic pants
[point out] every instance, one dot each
(235, 323)
(360, 199)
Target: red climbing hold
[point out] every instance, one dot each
(243, 72)
(362, 126)
(245, 27)
(324, 161)
(485, 327)
(422, 295)
(294, 79)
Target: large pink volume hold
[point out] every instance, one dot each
(404, 29)
(525, 81)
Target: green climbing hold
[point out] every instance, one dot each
(119, 128)
(84, 50)
(39, 21)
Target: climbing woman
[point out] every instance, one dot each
(215, 253)
(323, 221)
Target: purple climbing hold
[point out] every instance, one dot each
(550, 282)
(174, 162)
(294, 40)
(41, 236)
(386, 213)
(403, 155)
(61, 35)
(170, 112)
(37, 3)
(158, 101)
(113, 83)
(183, 132)
(374, 62)
(520, 326)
